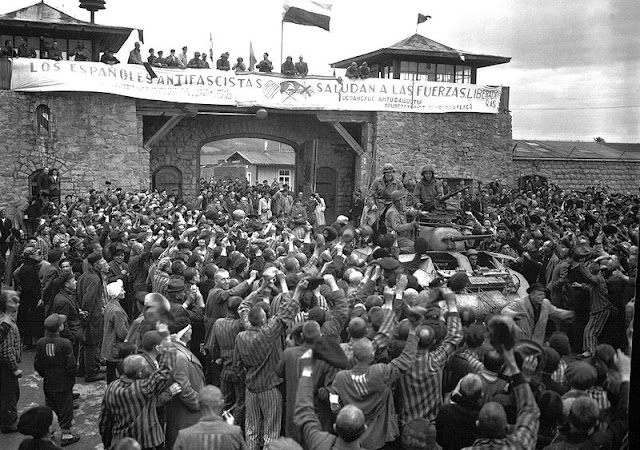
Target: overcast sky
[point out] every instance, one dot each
(573, 75)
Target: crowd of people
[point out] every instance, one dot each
(158, 59)
(242, 319)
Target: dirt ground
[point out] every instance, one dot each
(85, 419)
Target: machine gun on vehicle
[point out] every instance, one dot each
(452, 194)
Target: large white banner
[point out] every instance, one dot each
(215, 87)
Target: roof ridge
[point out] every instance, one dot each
(39, 5)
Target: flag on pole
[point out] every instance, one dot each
(315, 13)
(422, 18)
(252, 57)
(211, 47)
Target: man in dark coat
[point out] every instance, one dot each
(54, 361)
(91, 298)
(5, 231)
(31, 310)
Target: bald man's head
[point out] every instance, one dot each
(311, 331)
(210, 399)
(426, 336)
(136, 367)
(492, 421)
(363, 351)
(350, 423)
(357, 328)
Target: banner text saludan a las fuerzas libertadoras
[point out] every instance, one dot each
(245, 89)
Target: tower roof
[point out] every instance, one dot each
(41, 19)
(418, 46)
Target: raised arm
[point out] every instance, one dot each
(339, 310)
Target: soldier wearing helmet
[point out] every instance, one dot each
(396, 222)
(379, 196)
(427, 190)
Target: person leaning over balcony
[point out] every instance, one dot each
(134, 55)
(205, 63)
(302, 69)
(24, 51)
(8, 51)
(54, 52)
(79, 53)
(109, 58)
(265, 65)
(288, 68)
(173, 61)
(239, 66)
(160, 60)
(223, 62)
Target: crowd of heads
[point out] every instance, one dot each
(224, 237)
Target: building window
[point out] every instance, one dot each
(444, 73)
(387, 70)
(284, 177)
(448, 73)
(463, 74)
(43, 120)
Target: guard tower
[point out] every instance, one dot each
(422, 59)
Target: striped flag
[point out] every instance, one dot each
(252, 57)
(315, 13)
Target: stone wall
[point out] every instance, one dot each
(620, 176)
(458, 145)
(182, 145)
(92, 138)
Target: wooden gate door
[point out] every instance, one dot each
(168, 178)
(327, 187)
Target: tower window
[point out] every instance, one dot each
(43, 120)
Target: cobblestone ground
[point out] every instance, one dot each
(85, 419)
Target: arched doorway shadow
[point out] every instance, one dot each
(168, 178)
(33, 183)
(327, 188)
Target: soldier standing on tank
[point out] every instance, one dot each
(379, 197)
(396, 222)
(428, 190)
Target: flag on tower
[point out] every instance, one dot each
(315, 13)
(252, 57)
(422, 18)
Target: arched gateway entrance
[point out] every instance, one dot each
(325, 149)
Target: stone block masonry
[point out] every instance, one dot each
(92, 138)
(458, 145)
(619, 176)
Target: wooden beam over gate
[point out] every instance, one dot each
(163, 131)
(347, 137)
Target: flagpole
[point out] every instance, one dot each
(281, 40)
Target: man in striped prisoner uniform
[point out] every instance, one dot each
(221, 345)
(258, 350)
(10, 356)
(421, 385)
(129, 403)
